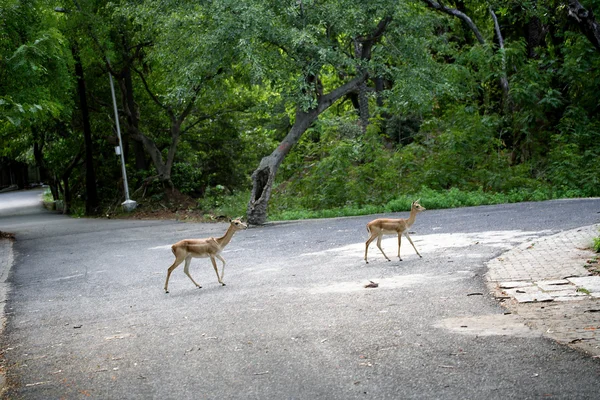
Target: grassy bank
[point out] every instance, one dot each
(236, 204)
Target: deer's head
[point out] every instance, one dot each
(237, 224)
(417, 207)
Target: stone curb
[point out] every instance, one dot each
(546, 282)
(6, 261)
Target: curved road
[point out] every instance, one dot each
(87, 316)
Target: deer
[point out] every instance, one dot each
(381, 226)
(211, 247)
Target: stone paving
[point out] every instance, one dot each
(550, 283)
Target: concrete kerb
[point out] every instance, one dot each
(6, 261)
(546, 282)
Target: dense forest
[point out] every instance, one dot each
(275, 106)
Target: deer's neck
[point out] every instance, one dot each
(411, 219)
(225, 239)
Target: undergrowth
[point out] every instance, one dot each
(596, 245)
(235, 205)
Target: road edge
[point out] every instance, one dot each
(6, 263)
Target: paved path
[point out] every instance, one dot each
(92, 320)
(550, 282)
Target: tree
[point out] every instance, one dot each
(473, 27)
(172, 56)
(328, 56)
(37, 91)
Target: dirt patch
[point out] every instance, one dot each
(192, 215)
(7, 235)
(176, 206)
(593, 265)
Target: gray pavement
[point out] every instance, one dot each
(549, 282)
(87, 316)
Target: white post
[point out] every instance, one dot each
(128, 205)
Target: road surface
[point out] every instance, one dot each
(87, 316)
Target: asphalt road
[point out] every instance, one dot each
(87, 316)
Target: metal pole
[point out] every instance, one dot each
(128, 205)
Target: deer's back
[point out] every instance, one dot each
(196, 248)
(387, 225)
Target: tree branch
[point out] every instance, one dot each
(503, 78)
(202, 118)
(459, 14)
(147, 87)
(368, 41)
(586, 21)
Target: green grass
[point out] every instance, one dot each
(235, 205)
(232, 206)
(47, 196)
(430, 199)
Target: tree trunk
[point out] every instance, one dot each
(92, 202)
(164, 173)
(163, 168)
(586, 21)
(503, 77)
(67, 193)
(459, 14)
(132, 117)
(264, 176)
(534, 35)
(363, 98)
(67, 196)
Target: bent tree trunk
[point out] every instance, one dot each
(586, 21)
(264, 176)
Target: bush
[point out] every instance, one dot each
(218, 202)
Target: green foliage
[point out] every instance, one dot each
(187, 178)
(217, 202)
(431, 199)
(441, 127)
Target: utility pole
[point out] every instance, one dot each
(128, 205)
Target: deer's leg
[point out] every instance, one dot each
(371, 238)
(399, 243)
(214, 263)
(222, 269)
(379, 245)
(186, 269)
(178, 261)
(411, 242)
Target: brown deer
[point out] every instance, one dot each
(381, 226)
(187, 249)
